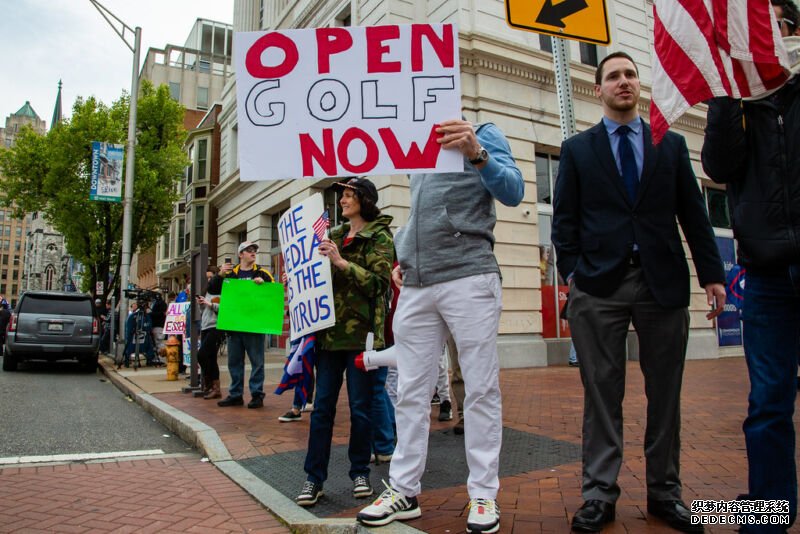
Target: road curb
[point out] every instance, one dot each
(208, 442)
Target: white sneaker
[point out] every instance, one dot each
(389, 506)
(484, 516)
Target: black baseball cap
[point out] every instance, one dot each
(364, 185)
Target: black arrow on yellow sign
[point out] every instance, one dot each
(552, 14)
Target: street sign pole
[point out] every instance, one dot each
(563, 87)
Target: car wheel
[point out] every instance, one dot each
(89, 364)
(9, 362)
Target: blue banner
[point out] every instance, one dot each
(106, 172)
(729, 323)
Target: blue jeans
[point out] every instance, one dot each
(382, 415)
(331, 368)
(771, 318)
(253, 344)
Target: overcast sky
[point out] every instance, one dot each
(42, 41)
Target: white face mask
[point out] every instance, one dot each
(793, 50)
(792, 44)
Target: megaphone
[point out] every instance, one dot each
(370, 360)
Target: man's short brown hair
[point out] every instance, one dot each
(598, 74)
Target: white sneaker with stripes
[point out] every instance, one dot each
(389, 506)
(484, 516)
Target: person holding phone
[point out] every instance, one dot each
(250, 343)
(210, 337)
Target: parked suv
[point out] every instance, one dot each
(52, 325)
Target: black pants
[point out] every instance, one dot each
(210, 341)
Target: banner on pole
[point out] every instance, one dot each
(345, 101)
(245, 306)
(309, 272)
(106, 172)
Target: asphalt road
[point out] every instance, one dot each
(57, 408)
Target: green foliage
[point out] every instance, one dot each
(52, 174)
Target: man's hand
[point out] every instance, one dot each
(225, 268)
(716, 299)
(258, 280)
(459, 135)
(397, 276)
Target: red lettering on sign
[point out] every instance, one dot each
(256, 67)
(443, 47)
(331, 41)
(310, 152)
(376, 35)
(370, 161)
(413, 159)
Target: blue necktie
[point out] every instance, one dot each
(630, 174)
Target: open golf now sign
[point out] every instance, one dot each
(325, 102)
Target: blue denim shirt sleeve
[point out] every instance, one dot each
(501, 176)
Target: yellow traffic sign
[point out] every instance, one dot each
(581, 20)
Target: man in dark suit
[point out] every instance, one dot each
(616, 201)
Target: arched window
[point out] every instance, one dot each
(49, 277)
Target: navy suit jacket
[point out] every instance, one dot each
(595, 225)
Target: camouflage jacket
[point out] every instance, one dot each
(359, 290)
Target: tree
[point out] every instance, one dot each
(51, 174)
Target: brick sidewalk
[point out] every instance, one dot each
(545, 402)
(165, 495)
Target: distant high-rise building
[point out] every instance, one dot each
(14, 231)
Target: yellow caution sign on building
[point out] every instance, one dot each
(581, 20)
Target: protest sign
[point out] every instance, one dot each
(106, 182)
(245, 306)
(309, 273)
(175, 325)
(344, 101)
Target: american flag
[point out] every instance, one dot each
(708, 48)
(322, 225)
(298, 372)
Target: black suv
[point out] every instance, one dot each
(52, 325)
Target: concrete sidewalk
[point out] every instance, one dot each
(540, 463)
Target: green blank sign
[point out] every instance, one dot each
(245, 306)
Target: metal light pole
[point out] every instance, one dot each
(127, 203)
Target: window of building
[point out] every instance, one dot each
(546, 172)
(588, 53)
(718, 212)
(15, 274)
(545, 43)
(219, 41)
(190, 168)
(202, 158)
(202, 98)
(7, 230)
(180, 237)
(5, 273)
(175, 91)
(165, 247)
(2, 215)
(275, 234)
(200, 192)
(5, 259)
(205, 39)
(49, 277)
(199, 224)
(18, 231)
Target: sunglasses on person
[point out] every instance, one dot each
(250, 249)
(789, 22)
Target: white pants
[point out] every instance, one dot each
(470, 309)
(443, 381)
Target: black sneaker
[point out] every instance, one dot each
(445, 411)
(256, 402)
(389, 506)
(231, 401)
(435, 399)
(290, 416)
(310, 494)
(458, 429)
(361, 487)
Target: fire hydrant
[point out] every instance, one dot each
(173, 357)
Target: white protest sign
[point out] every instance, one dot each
(175, 324)
(309, 273)
(346, 101)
